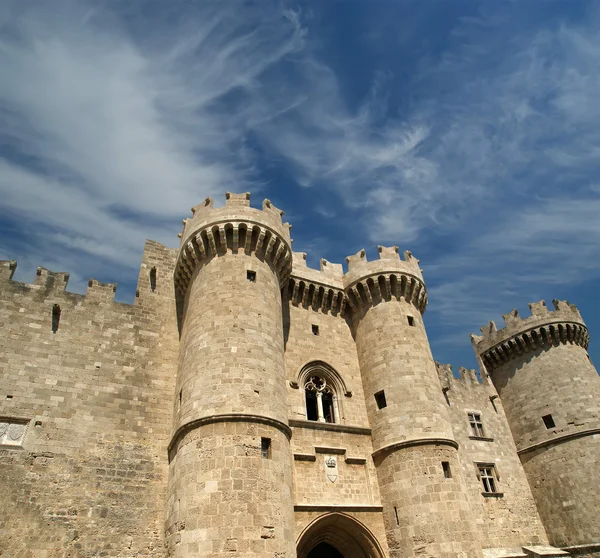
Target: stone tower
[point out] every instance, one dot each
(414, 448)
(230, 472)
(551, 394)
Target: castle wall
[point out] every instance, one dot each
(333, 345)
(96, 395)
(510, 520)
(354, 489)
(566, 386)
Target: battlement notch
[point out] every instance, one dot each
(7, 269)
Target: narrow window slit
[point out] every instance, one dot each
(446, 469)
(153, 278)
(265, 448)
(396, 513)
(548, 421)
(380, 399)
(55, 317)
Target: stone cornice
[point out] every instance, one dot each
(559, 440)
(229, 417)
(415, 442)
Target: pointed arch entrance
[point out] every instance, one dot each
(336, 534)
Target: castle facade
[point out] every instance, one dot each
(246, 405)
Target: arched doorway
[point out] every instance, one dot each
(324, 550)
(337, 535)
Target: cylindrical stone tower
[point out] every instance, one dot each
(425, 513)
(230, 460)
(551, 394)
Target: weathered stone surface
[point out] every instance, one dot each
(246, 405)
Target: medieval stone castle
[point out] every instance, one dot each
(249, 406)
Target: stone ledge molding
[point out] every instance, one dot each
(213, 232)
(230, 417)
(544, 328)
(334, 508)
(333, 427)
(559, 440)
(415, 442)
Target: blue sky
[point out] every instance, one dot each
(467, 132)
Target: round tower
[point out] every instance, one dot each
(551, 394)
(425, 505)
(230, 460)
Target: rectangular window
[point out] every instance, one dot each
(411, 321)
(446, 469)
(380, 399)
(251, 276)
(487, 475)
(315, 329)
(476, 425)
(265, 448)
(548, 421)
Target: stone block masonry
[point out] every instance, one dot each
(246, 405)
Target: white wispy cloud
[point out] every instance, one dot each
(114, 124)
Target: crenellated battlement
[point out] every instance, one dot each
(543, 328)
(467, 376)
(101, 292)
(236, 227)
(322, 289)
(390, 276)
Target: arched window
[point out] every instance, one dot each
(321, 404)
(323, 389)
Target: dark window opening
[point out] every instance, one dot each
(180, 397)
(476, 425)
(38, 423)
(446, 469)
(328, 407)
(312, 412)
(380, 399)
(55, 317)
(251, 276)
(548, 421)
(315, 329)
(9, 397)
(396, 513)
(153, 278)
(411, 321)
(488, 478)
(265, 448)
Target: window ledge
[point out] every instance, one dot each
(481, 438)
(493, 494)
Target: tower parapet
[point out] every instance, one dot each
(522, 335)
(382, 279)
(213, 231)
(322, 289)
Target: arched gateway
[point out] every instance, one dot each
(336, 535)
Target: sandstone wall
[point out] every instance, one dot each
(96, 396)
(509, 520)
